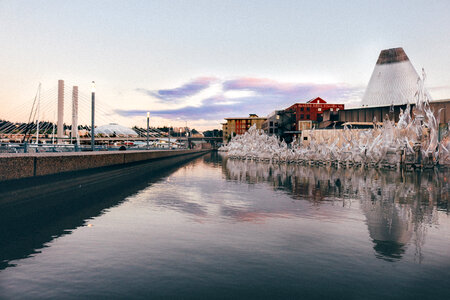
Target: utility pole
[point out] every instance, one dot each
(93, 117)
(148, 130)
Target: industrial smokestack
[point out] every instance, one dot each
(393, 81)
(75, 113)
(60, 124)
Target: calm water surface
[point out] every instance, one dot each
(217, 228)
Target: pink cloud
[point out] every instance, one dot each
(268, 95)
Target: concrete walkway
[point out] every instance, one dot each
(23, 165)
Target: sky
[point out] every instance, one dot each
(198, 62)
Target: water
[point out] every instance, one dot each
(217, 228)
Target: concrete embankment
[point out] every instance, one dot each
(16, 166)
(36, 210)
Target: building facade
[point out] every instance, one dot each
(237, 126)
(280, 123)
(369, 114)
(312, 111)
(363, 118)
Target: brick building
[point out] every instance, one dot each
(312, 111)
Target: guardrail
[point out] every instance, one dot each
(42, 148)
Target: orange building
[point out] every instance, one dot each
(235, 126)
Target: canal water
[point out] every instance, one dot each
(215, 228)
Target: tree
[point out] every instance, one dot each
(213, 133)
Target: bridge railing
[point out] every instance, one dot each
(38, 148)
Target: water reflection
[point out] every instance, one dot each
(35, 211)
(197, 231)
(398, 207)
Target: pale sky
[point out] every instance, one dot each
(197, 62)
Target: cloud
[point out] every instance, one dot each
(271, 87)
(188, 89)
(212, 109)
(242, 96)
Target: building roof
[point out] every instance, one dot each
(316, 100)
(115, 129)
(393, 55)
(412, 103)
(247, 118)
(250, 117)
(361, 123)
(440, 101)
(394, 80)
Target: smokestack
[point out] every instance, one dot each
(75, 113)
(60, 124)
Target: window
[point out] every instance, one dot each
(302, 109)
(307, 116)
(305, 138)
(302, 116)
(271, 123)
(270, 130)
(276, 124)
(307, 109)
(276, 130)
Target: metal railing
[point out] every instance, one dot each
(41, 148)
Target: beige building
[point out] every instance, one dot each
(235, 126)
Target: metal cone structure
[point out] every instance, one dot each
(393, 81)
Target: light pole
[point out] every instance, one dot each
(93, 117)
(187, 135)
(169, 137)
(148, 130)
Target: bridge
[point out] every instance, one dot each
(44, 120)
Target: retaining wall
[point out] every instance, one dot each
(15, 166)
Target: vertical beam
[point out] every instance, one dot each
(60, 124)
(93, 117)
(148, 130)
(75, 113)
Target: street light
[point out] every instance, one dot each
(93, 117)
(169, 137)
(148, 129)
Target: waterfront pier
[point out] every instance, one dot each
(23, 165)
